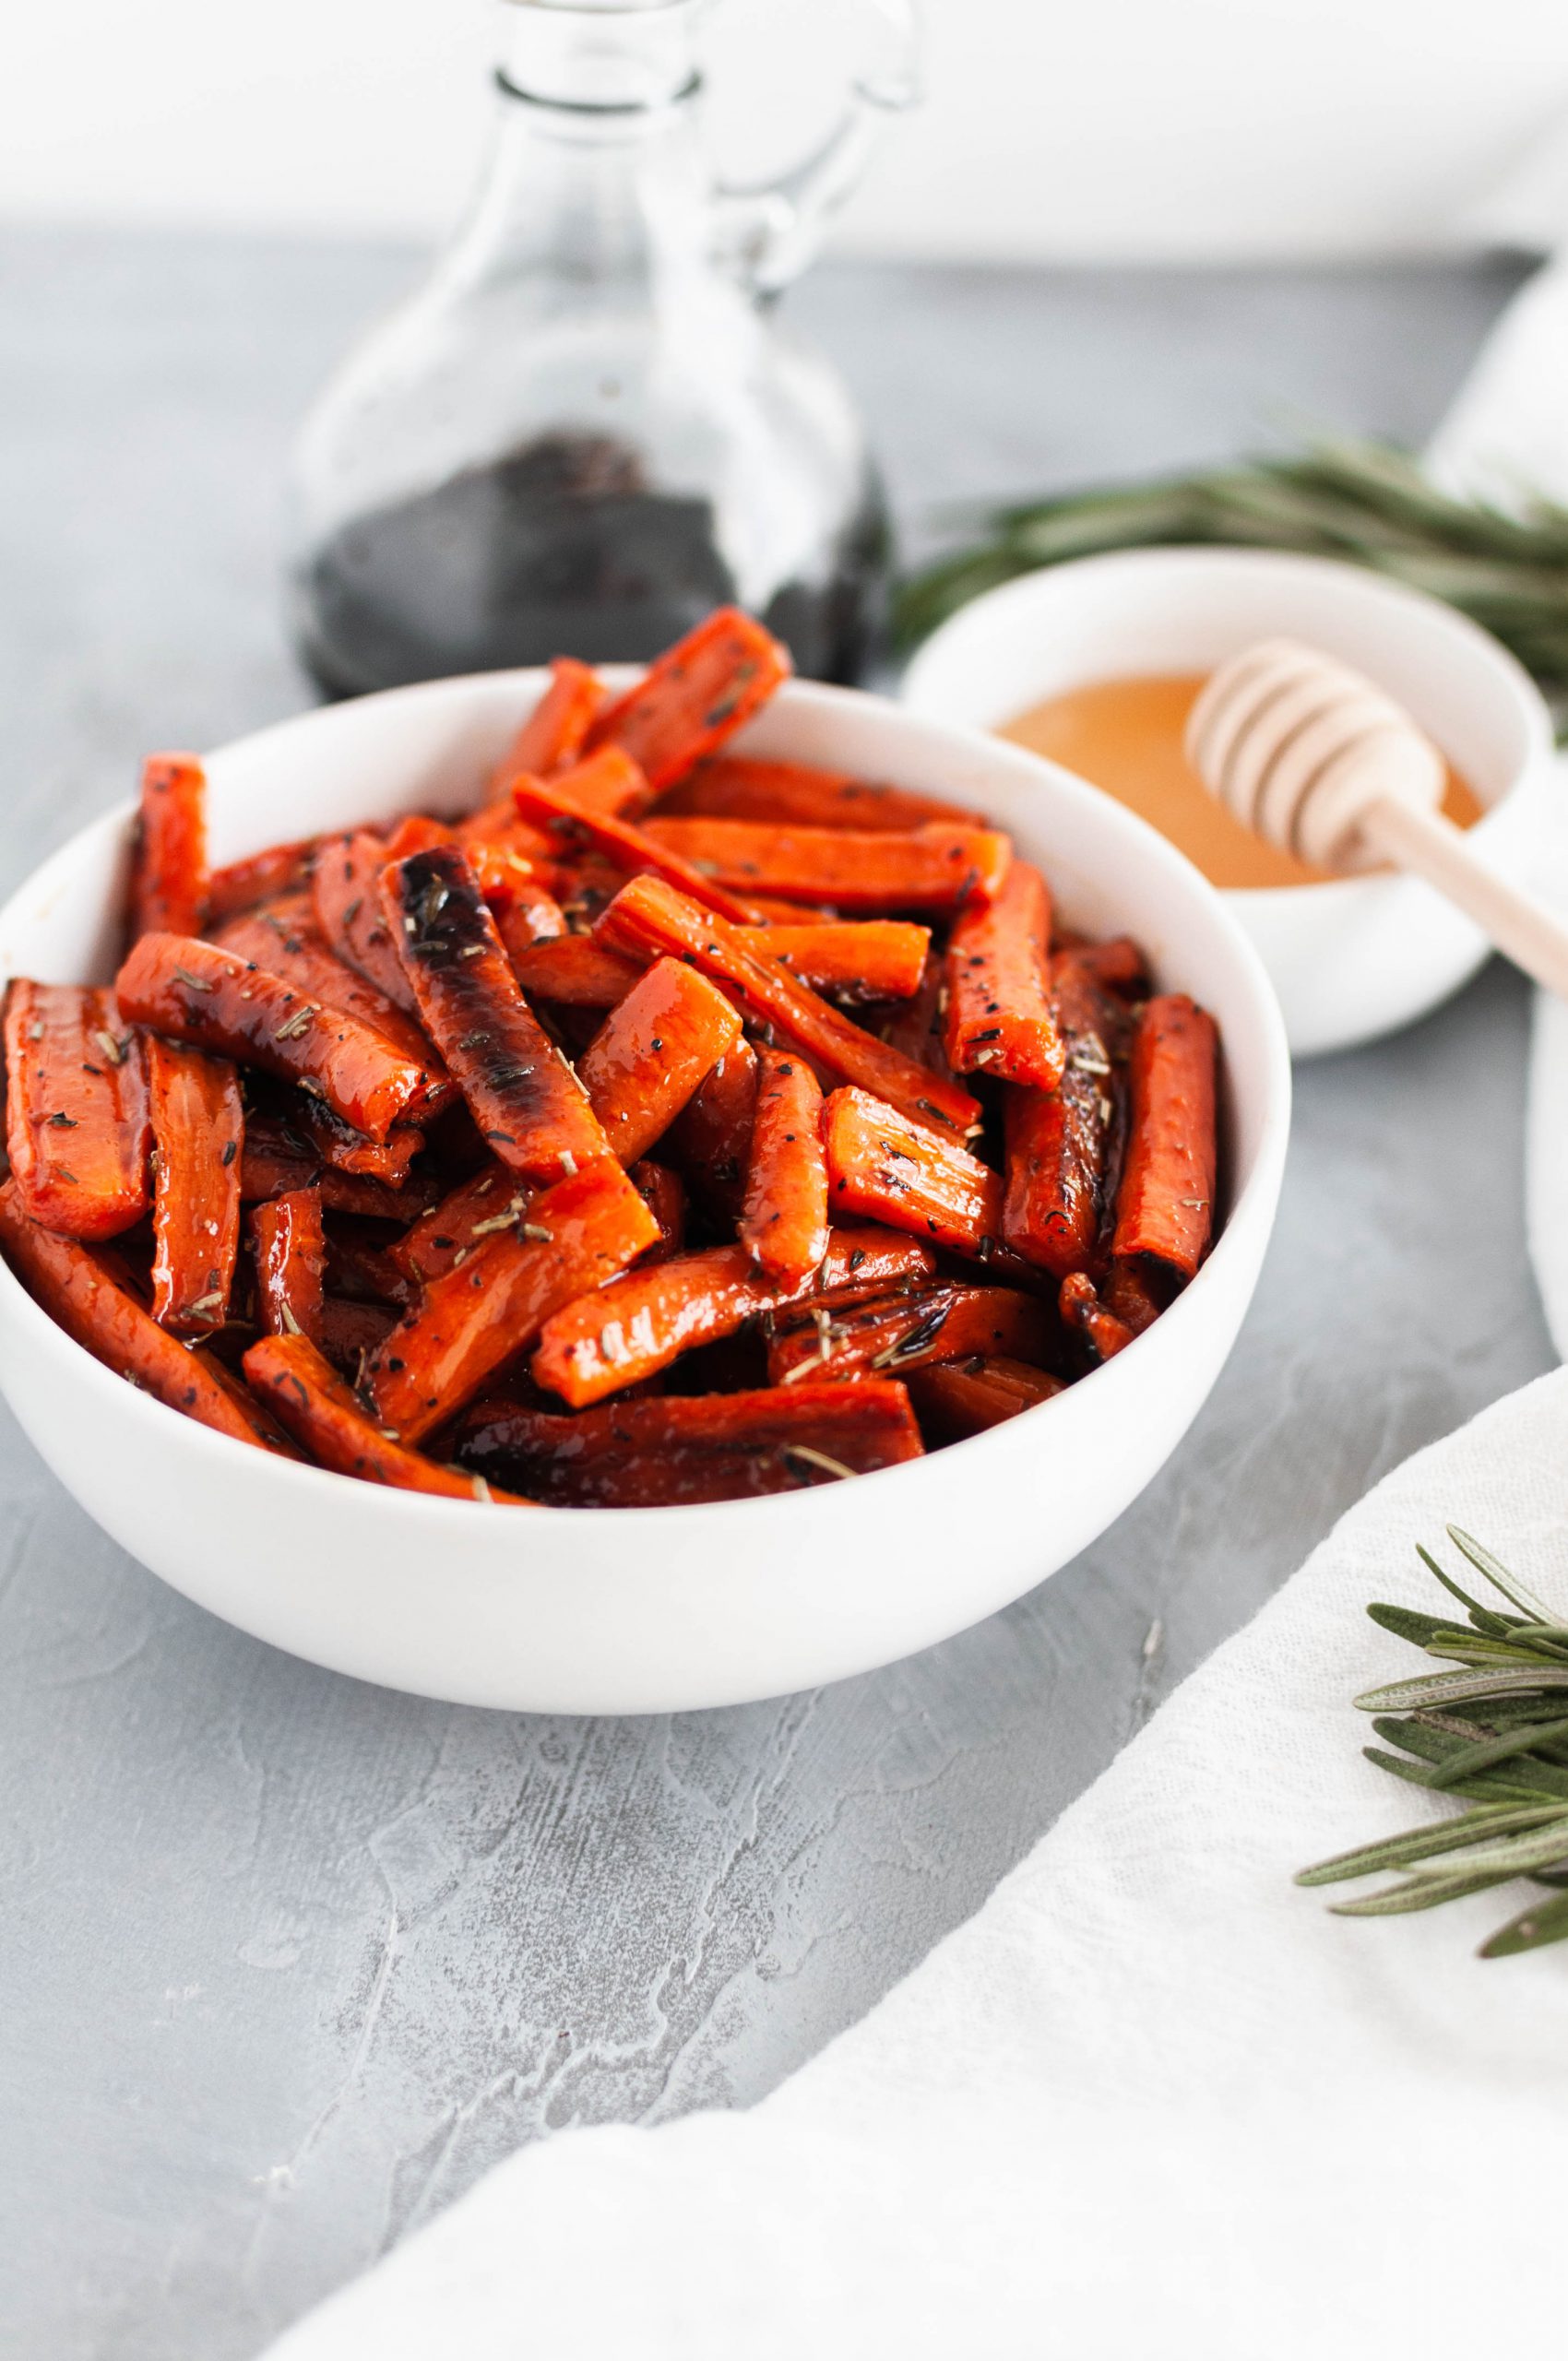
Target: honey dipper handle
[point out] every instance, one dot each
(1431, 846)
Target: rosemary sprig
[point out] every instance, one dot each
(1366, 501)
(1496, 1732)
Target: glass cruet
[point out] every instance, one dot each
(586, 428)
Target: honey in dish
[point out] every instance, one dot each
(1125, 735)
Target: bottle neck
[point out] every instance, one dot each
(618, 58)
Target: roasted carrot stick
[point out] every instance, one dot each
(872, 960)
(168, 890)
(640, 1324)
(1082, 1309)
(197, 993)
(261, 876)
(198, 1128)
(469, 1322)
(285, 941)
(934, 867)
(884, 1338)
(916, 1027)
(290, 1263)
(1165, 1204)
(664, 1194)
(695, 696)
(954, 1399)
(574, 971)
(276, 1158)
(1138, 1292)
(77, 1126)
(345, 887)
(73, 1286)
(999, 1016)
(784, 1223)
(648, 917)
(573, 828)
(884, 1167)
(554, 730)
(307, 1395)
(1117, 966)
(733, 787)
(608, 781)
(678, 1450)
(521, 1093)
(652, 1051)
(711, 1138)
(1057, 1141)
(346, 1150)
(490, 1201)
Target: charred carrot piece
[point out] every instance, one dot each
(168, 888)
(711, 1139)
(346, 1150)
(885, 1169)
(74, 1288)
(308, 1397)
(1057, 1141)
(883, 1339)
(574, 971)
(198, 1128)
(999, 1016)
(647, 917)
(76, 1129)
(640, 1324)
(573, 828)
(784, 1223)
(1082, 1309)
(490, 1201)
(358, 1267)
(873, 959)
(195, 992)
(1165, 1204)
(554, 732)
(915, 1029)
(525, 1099)
(695, 696)
(276, 1159)
(345, 890)
(955, 1399)
(473, 1319)
(290, 1263)
(733, 787)
(679, 1450)
(936, 867)
(285, 941)
(652, 1051)
(260, 877)
(664, 1194)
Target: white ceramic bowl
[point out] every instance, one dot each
(1354, 958)
(640, 1610)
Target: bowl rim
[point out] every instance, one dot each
(1254, 1200)
(1173, 557)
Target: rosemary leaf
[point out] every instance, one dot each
(1415, 1844)
(1545, 1922)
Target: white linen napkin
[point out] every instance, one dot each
(1152, 2100)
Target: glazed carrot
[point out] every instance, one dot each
(415, 832)
(282, 869)
(77, 1126)
(784, 1223)
(664, 1194)
(197, 993)
(1137, 1292)
(608, 781)
(554, 732)
(488, 1202)
(285, 940)
(954, 1399)
(1165, 1203)
(472, 1320)
(652, 1051)
(1082, 1309)
(308, 1397)
(1057, 1141)
(358, 1267)
(916, 1027)
(648, 917)
(711, 1138)
(345, 1150)
(521, 1093)
(884, 1338)
(576, 972)
(934, 867)
(350, 1331)
(1117, 966)
(572, 829)
(73, 1286)
(695, 696)
(733, 787)
(199, 1127)
(276, 1158)
(508, 880)
(999, 1016)
(884, 1167)
(641, 1324)
(169, 886)
(290, 1263)
(873, 959)
(348, 909)
(682, 1449)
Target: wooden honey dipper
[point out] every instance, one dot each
(1315, 759)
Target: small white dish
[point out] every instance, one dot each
(645, 1610)
(1355, 957)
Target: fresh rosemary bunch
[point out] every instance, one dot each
(1366, 501)
(1495, 1732)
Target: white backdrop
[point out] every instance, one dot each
(1127, 128)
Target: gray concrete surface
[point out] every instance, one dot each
(285, 1962)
